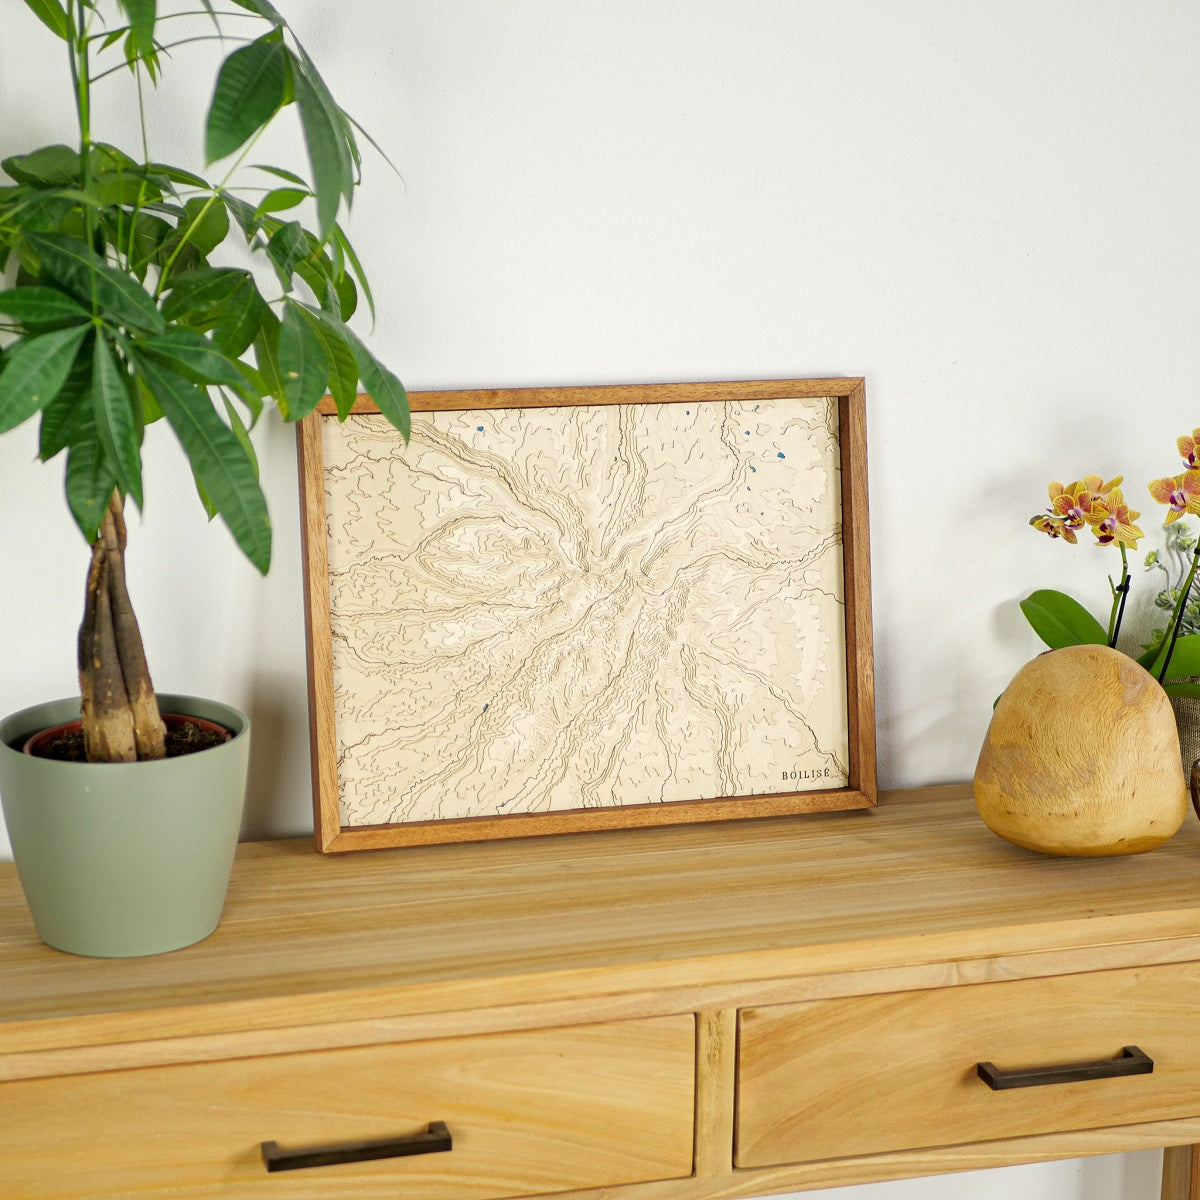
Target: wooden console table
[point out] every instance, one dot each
(686, 1013)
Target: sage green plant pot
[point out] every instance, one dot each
(124, 859)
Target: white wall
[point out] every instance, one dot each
(986, 209)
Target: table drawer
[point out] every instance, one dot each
(878, 1073)
(528, 1112)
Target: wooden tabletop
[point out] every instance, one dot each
(305, 938)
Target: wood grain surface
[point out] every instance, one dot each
(914, 893)
(529, 1113)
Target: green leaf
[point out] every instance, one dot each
(141, 14)
(356, 267)
(287, 247)
(240, 319)
(34, 372)
(66, 417)
(264, 9)
(335, 345)
(193, 355)
(251, 86)
(56, 166)
(325, 138)
(1185, 657)
(382, 386)
(200, 289)
(89, 482)
(41, 305)
(203, 228)
(281, 199)
(1061, 621)
(51, 14)
(237, 425)
(116, 426)
(303, 367)
(243, 213)
(266, 355)
(121, 298)
(218, 460)
(1176, 688)
(280, 173)
(155, 171)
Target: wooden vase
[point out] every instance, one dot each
(1082, 757)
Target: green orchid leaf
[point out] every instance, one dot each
(70, 262)
(89, 482)
(1061, 621)
(335, 345)
(42, 306)
(239, 321)
(1185, 657)
(218, 460)
(251, 87)
(303, 365)
(52, 14)
(382, 386)
(325, 139)
(117, 428)
(35, 370)
(200, 289)
(1178, 688)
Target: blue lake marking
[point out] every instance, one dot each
(479, 428)
(782, 455)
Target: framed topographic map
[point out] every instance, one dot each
(585, 608)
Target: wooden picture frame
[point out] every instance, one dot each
(726, 647)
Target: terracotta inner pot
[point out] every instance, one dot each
(35, 745)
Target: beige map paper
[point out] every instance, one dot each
(543, 609)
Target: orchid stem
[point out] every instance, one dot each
(1120, 595)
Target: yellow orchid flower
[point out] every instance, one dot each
(1111, 520)
(1055, 526)
(1180, 492)
(1189, 449)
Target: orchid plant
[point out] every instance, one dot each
(127, 300)
(1098, 506)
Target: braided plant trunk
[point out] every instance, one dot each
(121, 722)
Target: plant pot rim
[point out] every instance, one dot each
(17, 727)
(31, 743)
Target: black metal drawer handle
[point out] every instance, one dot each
(1131, 1061)
(435, 1140)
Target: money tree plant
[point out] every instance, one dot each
(134, 291)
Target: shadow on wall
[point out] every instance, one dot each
(278, 732)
